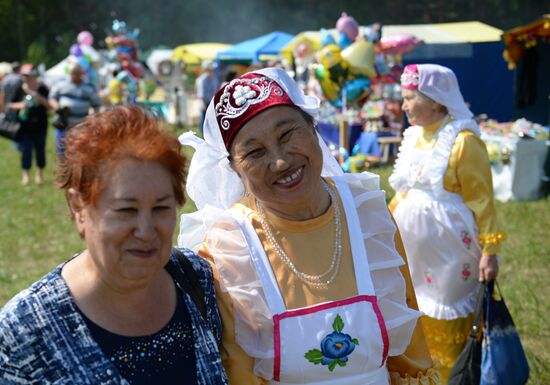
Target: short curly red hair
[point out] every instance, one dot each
(102, 140)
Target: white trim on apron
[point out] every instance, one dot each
(367, 365)
(438, 229)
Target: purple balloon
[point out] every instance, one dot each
(75, 50)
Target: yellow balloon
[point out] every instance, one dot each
(360, 57)
(330, 88)
(330, 56)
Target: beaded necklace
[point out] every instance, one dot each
(316, 281)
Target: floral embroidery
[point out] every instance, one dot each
(428, 278)
(466, 271)
(466, 239)
(335, 347)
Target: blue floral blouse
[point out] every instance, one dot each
(44, 339)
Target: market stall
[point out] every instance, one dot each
(251, 51)
(527, 52)
(517, 151)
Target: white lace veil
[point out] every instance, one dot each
(211, 180)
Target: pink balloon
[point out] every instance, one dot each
(400, 43)
(85, 38)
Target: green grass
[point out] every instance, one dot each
(36, 234)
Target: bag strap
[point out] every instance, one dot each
(187, 279)
(479, 309)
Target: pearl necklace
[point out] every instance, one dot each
(316, 281)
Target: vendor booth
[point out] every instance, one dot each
(528, 55)
(195, 53)
(251, 51)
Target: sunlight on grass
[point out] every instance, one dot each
(36, 234)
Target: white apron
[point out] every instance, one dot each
(438, 229)
(342, 342)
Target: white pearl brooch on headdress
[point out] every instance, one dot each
(240, 94)
(409, 78)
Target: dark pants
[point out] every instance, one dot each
(29, 141)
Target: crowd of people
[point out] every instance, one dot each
(21, 91)
(291, 256)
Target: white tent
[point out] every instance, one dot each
(156, 57)
(56, 73)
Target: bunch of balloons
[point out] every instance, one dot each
(123, 46)
(84, 54)
(346, 68)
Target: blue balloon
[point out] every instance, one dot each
(344, 41)
(354, 88)
(326, 38)
(85, 64)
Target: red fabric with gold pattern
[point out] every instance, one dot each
(243, 98)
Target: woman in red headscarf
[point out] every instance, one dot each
(311, 285)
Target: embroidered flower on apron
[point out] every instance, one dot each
(466, 239)
(428, 278)
(466, 271)
(335, 347)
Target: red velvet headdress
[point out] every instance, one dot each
(243, 98)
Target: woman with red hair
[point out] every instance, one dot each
(128, 309)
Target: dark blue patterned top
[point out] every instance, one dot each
(162, 358)
(44, 339)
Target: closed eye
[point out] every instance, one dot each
(286, 135)
(255, 153)
(126, 210)
(162, 208)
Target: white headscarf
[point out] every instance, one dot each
(440, 84)
(211, 180)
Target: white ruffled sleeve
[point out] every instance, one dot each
(384, 261)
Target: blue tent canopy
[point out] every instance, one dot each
(270, 44)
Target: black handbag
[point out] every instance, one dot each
(61, 118)
(10, 124)
(467, 368)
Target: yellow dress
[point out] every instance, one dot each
(469, 175)
(413, 367)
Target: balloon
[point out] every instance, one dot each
(360, 57)
(399, 44)
(373, 32)
(347, 25)
(356, 88)
(119, 27)
(90, 53)
(330, 89)
(344, 41)
(75, 50)
(85, 38)
(85, 64)
(303, 50)
(326, 38)
(331, 57)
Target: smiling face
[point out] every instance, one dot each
(278, 158)
(128, 231)
(420, 109)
